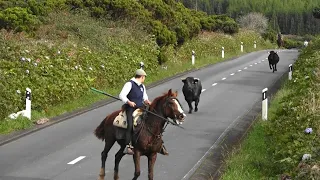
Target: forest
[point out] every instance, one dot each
(286, 16)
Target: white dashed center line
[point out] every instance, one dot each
(239, 70)
(255, 63)
(203, 90)
(245, 68)
(250, 64)
(262, 59)
(214, 84)
(77, 160)
(232, 74)
(223, 78)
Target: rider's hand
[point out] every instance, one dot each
(132, 104)
(147, 102)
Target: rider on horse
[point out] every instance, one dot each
(133, 94)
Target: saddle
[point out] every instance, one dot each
(121, 119)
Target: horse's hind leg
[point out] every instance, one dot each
(117, 160)
(275, 66)
(270, 66)
(104, 154)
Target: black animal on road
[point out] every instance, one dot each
(192, 89)
(273, 59)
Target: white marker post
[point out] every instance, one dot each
(141, 65)
(255, 44)
(222, 52)
(264, 104)
(290, 71)
(27, 112)
(193, 57)
(241, 46)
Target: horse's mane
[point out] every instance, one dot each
(156, 101)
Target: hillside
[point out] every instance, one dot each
(288, 17)
(60, 49)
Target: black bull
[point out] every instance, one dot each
(273, 59)
(192, 89)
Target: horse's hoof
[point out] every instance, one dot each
(196, 110)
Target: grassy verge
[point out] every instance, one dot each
(72, 32)
(274, 148)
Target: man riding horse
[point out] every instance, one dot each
(133, 94)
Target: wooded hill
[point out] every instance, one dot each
(286, 16)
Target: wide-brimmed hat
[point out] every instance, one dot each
(141, 72)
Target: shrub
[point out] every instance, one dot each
(18, 19)
(254, 21)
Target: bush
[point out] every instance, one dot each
(254, 21)
(18, 19)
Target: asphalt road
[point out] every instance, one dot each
(229, 90)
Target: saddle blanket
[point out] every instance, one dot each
(121, 119)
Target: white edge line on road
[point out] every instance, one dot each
(77, 160)
(213, 146)
(231, 74)
(203, 90)
(223, 78)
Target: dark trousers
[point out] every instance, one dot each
(129, 111)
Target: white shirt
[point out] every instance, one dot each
(126, 89)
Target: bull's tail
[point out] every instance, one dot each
(99, 131)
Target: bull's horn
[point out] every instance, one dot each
(197, 79)
(183, 78)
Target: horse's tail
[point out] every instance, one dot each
(99, 131)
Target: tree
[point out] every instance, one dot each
(254, 21)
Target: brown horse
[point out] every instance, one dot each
(147, 136)
(280, 41)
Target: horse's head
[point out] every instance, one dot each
(173, 108)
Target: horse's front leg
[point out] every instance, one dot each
(270, 65)
(151, 160)
(136, 160)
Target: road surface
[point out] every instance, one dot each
(69, 150)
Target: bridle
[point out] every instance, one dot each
(167, 101)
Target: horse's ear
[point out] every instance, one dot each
(170, 92)
(175, 94)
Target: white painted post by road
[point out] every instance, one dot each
(255, 44)
(241, 46)
(222, 52)
(27, 112)
(264, 104)
(193, 57)
(141, 65)
(290, 71)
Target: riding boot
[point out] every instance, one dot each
(129, 148)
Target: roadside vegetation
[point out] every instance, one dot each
(59, 49)
(287, 144)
